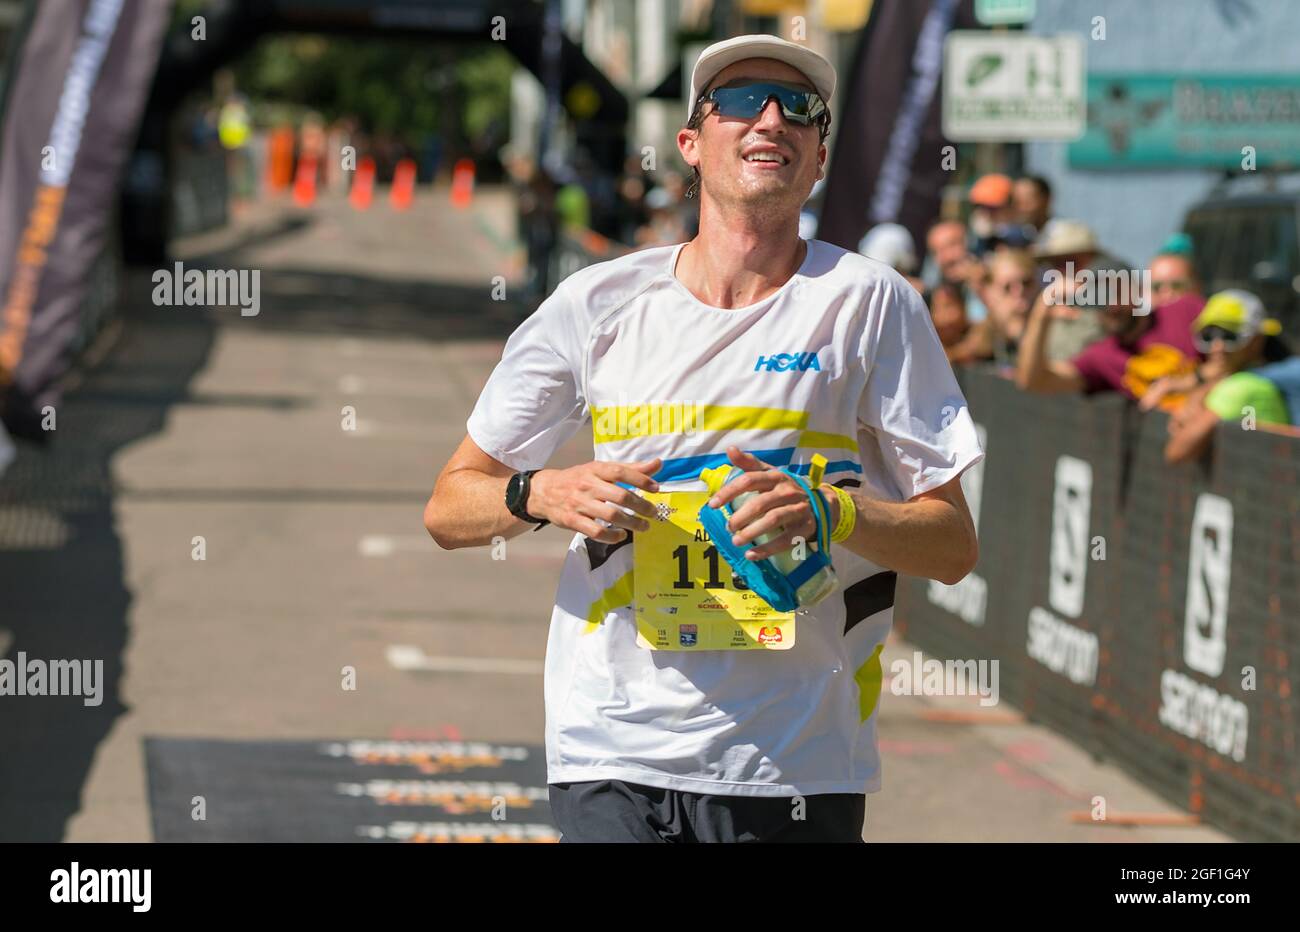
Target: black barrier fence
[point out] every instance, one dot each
(1149, 612)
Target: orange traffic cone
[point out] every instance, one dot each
(403, 190)
(462, 183)
(363, 184)
(304, 182)
(279, 162)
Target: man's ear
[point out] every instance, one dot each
(687, 141)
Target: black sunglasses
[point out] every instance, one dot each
(746, 101)
(1207, 335)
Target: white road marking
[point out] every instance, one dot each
(384, 385)
(385, 545)
(409, 657)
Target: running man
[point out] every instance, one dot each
(749, 346)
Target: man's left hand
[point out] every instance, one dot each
(779, 502)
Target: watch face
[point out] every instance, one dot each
(514, 491)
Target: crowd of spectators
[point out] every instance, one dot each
(1011, 286)
(1042, 302)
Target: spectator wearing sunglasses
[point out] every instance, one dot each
(1008, 290)
(1172, 277)
(1250, 375)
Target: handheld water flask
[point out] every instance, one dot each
(784, 581)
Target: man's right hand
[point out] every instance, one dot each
(575, 498)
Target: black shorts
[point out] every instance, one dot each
(615, 811)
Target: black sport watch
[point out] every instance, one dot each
(517, 490)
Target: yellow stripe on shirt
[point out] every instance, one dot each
(625, 422)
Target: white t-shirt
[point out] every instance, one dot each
(842, 360)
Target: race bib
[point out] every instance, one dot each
(685, 596)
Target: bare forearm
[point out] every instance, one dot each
(1034, 371)
(1190, 437)
(468, 509)
(1031, 362)
(929, 538)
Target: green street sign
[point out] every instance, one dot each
(1004, 12)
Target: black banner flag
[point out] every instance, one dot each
(888, 164)
(76, 90)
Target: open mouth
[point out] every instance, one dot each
(766, 159)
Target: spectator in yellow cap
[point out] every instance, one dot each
(1250, 375)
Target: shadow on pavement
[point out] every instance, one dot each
(62, 594)
(307, 300)
(62, 589)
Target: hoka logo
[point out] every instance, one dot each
(784, 362)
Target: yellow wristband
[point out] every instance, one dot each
(848, 515)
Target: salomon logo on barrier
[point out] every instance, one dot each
(782, 362)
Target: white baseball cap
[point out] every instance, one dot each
(819, 71)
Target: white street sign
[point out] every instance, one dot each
(1012, 87)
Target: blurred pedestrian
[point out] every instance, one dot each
(948, 314)
(1172, 276)
(1068, 251)
(951, 262)
(1008, 292)
(1249, 375)
(665, 224)
(1032, 198)
(890, 243)
(993, 219)
(1137, 350)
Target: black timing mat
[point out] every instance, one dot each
(347, 790)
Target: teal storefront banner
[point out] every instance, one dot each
(1188, 121)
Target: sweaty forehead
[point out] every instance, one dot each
(763, 68)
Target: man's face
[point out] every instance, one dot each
(1220, 360)
(1030, 205)
(1010, 289)
(949, 316)
(723, 148)
(1171, 278)
(947, 243)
